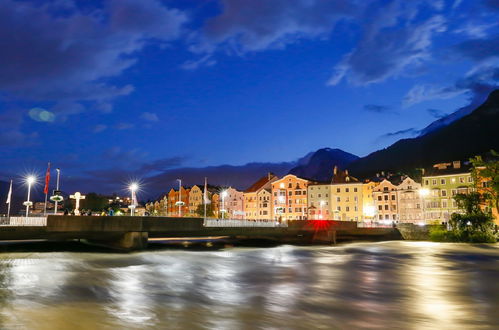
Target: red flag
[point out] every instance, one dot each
(47, 180)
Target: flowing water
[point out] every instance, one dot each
(388, 285)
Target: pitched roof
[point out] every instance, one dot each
(340, 176)
(455, 167)
(260, 183)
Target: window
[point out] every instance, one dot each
(354, 189)
(380, 198)
(380, 207)
(290, 210)
(393, 197)
(355, 208)
(290, 185)
(386, 207)
(385, 189)
(470, 179)
(338, 199)
(275, 194)
(347, 208)
(380, 217)
(386, 197)
(461, 180)
(339, 208)
(338, 190)
(442, 181)
(319, 195)
(434, 181)
(426, 182)
(290, 193)
(347, 189)
(444, 193)
(444, 204)
(454, 192)
(311, 196)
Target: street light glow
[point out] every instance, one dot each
(134, 187)
(424, 192)
(30, 179)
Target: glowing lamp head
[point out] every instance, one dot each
(423, 192)
(224, 193)
(134, 187)
(30, 179)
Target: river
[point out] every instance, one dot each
(387, 285)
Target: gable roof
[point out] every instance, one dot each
(260, 183)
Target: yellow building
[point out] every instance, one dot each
(195, 199)
(344, 199)
(289, 198)
(257, 199)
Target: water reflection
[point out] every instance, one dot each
(405, 285)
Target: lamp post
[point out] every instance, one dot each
(223, 194)
(423, 192)
(29, 180)
(133, 189)
(57, 188)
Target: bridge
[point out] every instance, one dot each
(133, 233)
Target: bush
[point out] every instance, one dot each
(440, 234)
(482, 237)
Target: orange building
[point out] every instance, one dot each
(289, 198)
(173, 198)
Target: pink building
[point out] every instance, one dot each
(232, 201)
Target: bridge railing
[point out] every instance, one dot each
(243, 223)
(23, 221)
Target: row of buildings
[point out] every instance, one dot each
(384, 198)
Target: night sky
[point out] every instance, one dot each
(120, 89)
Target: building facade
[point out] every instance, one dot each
(385, 201)
(409, 201)
(441, 183)
(257, 199)
(232, 203)
(289, 198)
(173, 209)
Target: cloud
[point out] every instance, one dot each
(160, 165)
(123, 126)
(435, 113)
(393, 43)
(10, 132)
(149, 116)
(422, 93)
(377, 108)
(66, 54)
(480, 49)
(258, 25)
(408, 131)
(99, 128)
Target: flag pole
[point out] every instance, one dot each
(46, 190)
(9, 197)
(57, 188)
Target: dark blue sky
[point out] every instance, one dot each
(131, 88)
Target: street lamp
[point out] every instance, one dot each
(133, 189)
(179, 203)
(223, 195)
(29, 180)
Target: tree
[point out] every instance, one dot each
(486, 176)
(475, 225)
(95, 202)
(209, 210)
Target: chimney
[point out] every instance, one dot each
(382, 173)
(456, 164)
(269, 176)
(377, 175)
(335, 170)
(346, 172)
